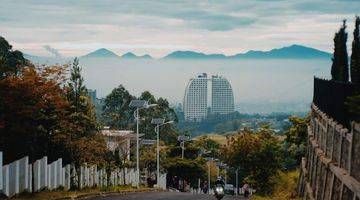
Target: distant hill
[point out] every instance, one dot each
(293, 52)
(103, 53)
(31, 57)
(131, 55)
(193, 55)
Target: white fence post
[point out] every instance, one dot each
(37, 174)
(162, 181)
(95, 176)
(13, 178)
(23, 174)
(67, 176)
(87, 176)
(81, 177)
(58, 173)
(30, 186)
(43, 174)
(49, 183)
(5, 180)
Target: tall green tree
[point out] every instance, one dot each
(257, 155)
(79, 134)
(162, 110)
(294, 145)
(82, 110)
(355, 55)
(340, 65)
(10, 60)
(119, 115)
(116, 110)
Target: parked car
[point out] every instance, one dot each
(229, 189)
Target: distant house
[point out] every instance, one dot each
(119, 139)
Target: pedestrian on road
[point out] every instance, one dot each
(246, 190)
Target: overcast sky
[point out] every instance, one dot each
(158, 27)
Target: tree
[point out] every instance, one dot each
(189, 170)
(340, 65)
(208, 146)
(353, 106)
(32, 109)
(162, 110)
(119, 115)
(78, 135)
(257, 154)
(10, 61)
(355, 55)
(294, 146)
(116, 111)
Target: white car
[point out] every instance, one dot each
(229, 189)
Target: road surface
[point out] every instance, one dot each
(165, 196)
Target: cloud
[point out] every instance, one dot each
(212, 26)
(53, 51)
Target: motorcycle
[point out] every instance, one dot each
(219, 192)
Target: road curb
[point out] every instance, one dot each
(109, 193)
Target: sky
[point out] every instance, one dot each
(74, 28)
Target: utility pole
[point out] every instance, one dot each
(182, 144)
(158, 122)
(209, 177)
(182, 139)
(137, 149)
(138, 104)
(157, 155)
(237, 181)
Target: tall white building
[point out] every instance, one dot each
(196, 95)
(222, 97)
(195, 99)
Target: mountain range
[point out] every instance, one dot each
(289, 52)
(293, 51)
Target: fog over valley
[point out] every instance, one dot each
(259, 85)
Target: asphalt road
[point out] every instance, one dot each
(165, 196)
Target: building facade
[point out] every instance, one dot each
(92, 95)
(118, 139)
(222, 97)
(195, 99)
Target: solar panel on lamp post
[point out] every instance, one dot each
(158, 122)
(182, 139)
(138, 104)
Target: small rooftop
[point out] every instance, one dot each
(118, 133)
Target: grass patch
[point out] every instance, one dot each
(221, 139)
(285, 187)
(56, 194)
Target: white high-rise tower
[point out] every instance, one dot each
(222, 97)
(196, 93)
(195, 99)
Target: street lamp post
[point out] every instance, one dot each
(182, 139)
(209, 177)
(237, 181)
(158, 122)
(209, 173)
(138, 104)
